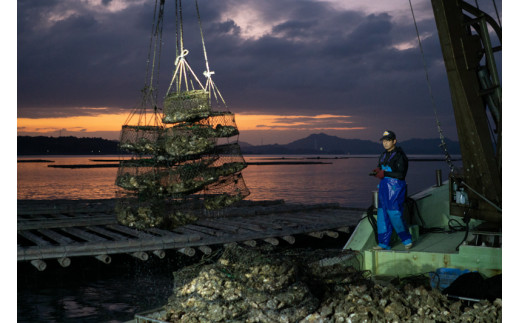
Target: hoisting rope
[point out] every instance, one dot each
(148, 91)
(498, 16)
(180, 75)
(210, 85)
(443, 142)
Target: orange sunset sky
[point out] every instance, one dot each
(255, 129)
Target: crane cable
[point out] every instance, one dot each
(148, 89)
(210, 85)
(181, 65)
(443, 142)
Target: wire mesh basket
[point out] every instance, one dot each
(188, 139)
(187, 178)
(229, 161)
(222, 124)
(144, 140)
(186, 106)
(134, 211)
(139, 175)
(225, 192)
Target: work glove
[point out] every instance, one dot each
(380, 173)
(374, 171)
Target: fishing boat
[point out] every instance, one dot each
(455, 224)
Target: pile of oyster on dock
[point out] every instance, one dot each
(267, 285)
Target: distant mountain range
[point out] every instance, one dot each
(332, 145)
(316, 144)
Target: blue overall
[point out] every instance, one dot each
(391, 197)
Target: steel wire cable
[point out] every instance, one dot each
(439, 129)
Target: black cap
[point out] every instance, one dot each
(388, 134)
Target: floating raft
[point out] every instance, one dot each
(61, 229)
(116, 165)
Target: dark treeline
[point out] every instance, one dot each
(66, 146)
(317, 144)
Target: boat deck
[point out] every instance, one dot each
(434, 243)
(61, 229)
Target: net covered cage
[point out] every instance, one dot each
(156, 179)
(178, 163)
(222, 124)
(187, 178)
(141, 176)
(188, 139)
(142, 140)
(134, 211)
(183, 106)
(229, 161)
(225, 192)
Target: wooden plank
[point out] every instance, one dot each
(241, 227)
(34, 238)
(265, 223)
(61, 239)
(110, 234)
(60, 216)
(299, 219)
(50, 207)
(218, 225)
(273, 223)
(84, 235)
(174, 237)
(49, 223)
(205, 230)
(132, 232)
(243, 223)
(188, 231)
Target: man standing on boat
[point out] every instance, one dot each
(391, 170)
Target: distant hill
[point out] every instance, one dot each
(333, 145)
(325, 144)
(316, 144)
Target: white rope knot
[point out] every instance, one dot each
(181, 56)
(208, 74)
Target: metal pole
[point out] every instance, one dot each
(438, 177)
(375, 198)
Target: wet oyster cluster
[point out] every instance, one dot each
(181, 159)
(387, 303)
(260, 285)
(182, 141)
(186, 105)
(242, 286)
(141, 139)
(138, 215)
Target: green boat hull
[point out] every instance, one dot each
(480, 252)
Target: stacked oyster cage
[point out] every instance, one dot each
(186, 167)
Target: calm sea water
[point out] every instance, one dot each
(340, 180)
(89, 291)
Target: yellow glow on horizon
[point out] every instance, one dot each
(113, 122)
(279, 122)
(101, 122)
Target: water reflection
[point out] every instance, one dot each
(89, 291)
(341, 180)
(38, 181)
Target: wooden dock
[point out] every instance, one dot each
(59, 230)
